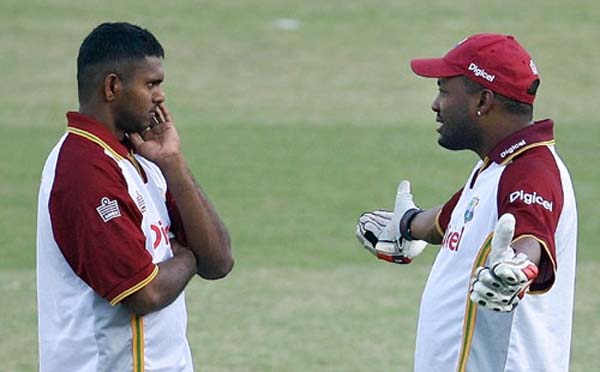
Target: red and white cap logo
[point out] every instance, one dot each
(498, 62)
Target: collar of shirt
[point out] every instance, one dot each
(538, 134)
(96, 128)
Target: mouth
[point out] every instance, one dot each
(440, 124)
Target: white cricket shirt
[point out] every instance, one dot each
(104, 221)
(522, 175)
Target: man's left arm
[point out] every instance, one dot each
(206, 234)
(529, 247)
(512, 267)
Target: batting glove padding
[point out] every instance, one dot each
(369, 228)
(390, 245)
(501, 285)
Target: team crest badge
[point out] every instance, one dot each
(108, 209)
(470, 211)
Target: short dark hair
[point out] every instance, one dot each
(510, 105)
(111, 47)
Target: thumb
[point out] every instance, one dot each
(404, 187)
(503, 234)
(402, 195)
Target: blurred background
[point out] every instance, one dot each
(295, 117)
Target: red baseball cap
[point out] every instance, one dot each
(498, 62)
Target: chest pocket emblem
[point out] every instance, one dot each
(470, 211)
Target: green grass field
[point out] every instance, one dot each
(292, 134)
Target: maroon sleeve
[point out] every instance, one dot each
(443, 217)
(95, 222)
(530, 189)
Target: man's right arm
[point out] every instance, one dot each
(173, 275)
(423, 226)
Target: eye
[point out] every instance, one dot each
(154, 83)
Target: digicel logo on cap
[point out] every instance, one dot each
(477, 71)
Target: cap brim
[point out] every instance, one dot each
(433, 68)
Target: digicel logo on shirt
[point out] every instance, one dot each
(160, 232)
(529, 199)
(452, 238)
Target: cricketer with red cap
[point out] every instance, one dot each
(508, 236)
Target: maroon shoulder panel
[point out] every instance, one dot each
(530, 189)
(95, 223)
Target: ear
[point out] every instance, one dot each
(486, 100)
(113, 86)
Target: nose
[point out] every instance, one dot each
(159, 96)
(435, 105)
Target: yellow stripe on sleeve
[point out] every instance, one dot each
(136, 287)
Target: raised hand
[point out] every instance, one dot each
(390, 245)
(160, 142)
(501, 285)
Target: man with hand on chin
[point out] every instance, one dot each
(510, 230)
(122, 224)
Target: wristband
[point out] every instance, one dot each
(405, 222)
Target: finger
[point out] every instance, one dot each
(367, 217)
(484, 302)
(491, 295)
(136, 140)
(360, 227)
(503, 234)
(404, 187)
(367, 222)
(490, 280)
(165, 112)
(160, 115)
(382, 221)
(403, 196)
(504, 231)
(506, 274)
(155, 120)
(513, 277)
(476, 298)
(383, 214)
(372, 226)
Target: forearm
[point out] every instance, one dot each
(422, 226)
(173, 275)
(206, 235)
(530, 247)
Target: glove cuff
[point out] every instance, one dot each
(405, 221)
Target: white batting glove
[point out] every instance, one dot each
(392, 246)
(501, 285)
(369, 227)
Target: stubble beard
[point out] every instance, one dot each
(129, 122)
(459, 135)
